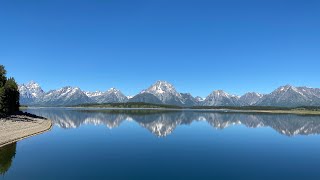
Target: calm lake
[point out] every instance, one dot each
(154, 144)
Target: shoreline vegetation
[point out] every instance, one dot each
(304, 110)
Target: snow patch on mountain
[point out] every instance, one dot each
(165, 92)
(112, 95)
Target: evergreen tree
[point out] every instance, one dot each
(9, 94)
(3, 77)
(10, 97)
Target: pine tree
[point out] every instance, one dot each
(9, 94)
(3, 77)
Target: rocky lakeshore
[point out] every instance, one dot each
(20, 126)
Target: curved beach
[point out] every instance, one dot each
(18, 127)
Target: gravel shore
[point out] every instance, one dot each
(17, 127)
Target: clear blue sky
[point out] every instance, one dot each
(199, 45)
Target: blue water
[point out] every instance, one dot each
(91, 144)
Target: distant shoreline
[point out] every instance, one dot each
(17, 127)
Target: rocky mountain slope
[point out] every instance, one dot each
(291, 96)
(162, 92)
(221, 98)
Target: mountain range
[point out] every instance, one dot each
(162, 92)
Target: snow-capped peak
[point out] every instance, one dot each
(31, 89)
(112, 95)
(33, 84)
(165, 92)
(199, 99)
(222, 93)
(160, 87)
(93, 94)
(68, 91)
(253, 94)
(250, 98)
(291, 88)
(221, 98)
(291, 96)
(286, 88)
(113, 90)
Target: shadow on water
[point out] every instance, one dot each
(7, 154)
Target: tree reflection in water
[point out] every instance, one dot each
(7, 154)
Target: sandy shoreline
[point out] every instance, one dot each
(18, 127)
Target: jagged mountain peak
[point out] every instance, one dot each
(220, 93)
(221, 98)
(165, 92)
(289, 89)
(68, 89)
(65, 96)
(32, 84)
(30, 92)
(160, 87)
(250, 98)
(286, 88)
(199, 99)
(162, 82)
(252, 94)
(113, 90)
(291, 96)
(112, 95)
(93, 94)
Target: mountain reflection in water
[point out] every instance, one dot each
(163, 123)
